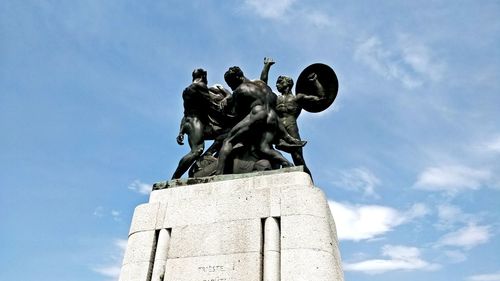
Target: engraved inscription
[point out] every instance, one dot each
(212, 268)
(214, 272)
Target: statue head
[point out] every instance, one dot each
(234, 77)
(283, 83)
(200, 74)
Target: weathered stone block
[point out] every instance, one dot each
(306, 232)
(137, 271)
(308, 264)
(140, 247)
(296, 200)
(243, 266)
(147, 217)
(241, 236)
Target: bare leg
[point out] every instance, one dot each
(236, 133)
(297, 154)
(273, 155)
(197, 144)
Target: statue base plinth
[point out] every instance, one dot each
(264, 226)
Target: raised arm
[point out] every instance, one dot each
(320, 91)
(265, 70)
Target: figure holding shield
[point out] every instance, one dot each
(314, 97)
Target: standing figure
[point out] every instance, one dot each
(288, 108)
(200, 121)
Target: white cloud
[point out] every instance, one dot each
(452, 179)
(98, 212)
(408, 61)
(361, 222)
(116, 215)
(449, 216)
(455, 256)
(359, 179)
(467, 237)
(113, 270)
(419, 58)
(492, 145)
(485, 277)
(399, 258)
(416, 211)
(318, 18)
(448, 213)
(383, 61)
(140, 187)
(275, 9)
(101, 212)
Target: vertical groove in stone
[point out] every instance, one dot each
(272, 266)
(160, 258)
(153, 254)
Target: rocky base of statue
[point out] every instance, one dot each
(242, 161)
(272, 225)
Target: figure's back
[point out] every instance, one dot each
(253, 93)
(194, 99)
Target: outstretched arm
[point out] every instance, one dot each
(265, 70)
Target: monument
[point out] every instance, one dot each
(245, 212)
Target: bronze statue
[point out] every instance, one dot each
(289, 107)
(203, 119)
(258, 122)
(246, 124)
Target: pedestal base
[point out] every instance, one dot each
(252, 227)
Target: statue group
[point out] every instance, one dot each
(250, 125)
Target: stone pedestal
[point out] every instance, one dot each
(263, 226)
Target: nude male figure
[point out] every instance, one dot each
(198, 124)
(254, 104)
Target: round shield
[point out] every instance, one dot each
(320, 83)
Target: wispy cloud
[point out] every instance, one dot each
(318, 18)
(449, 215)
(270, 9)
(286, 10)
(102, 212)
(399, 258)
(452, 179)
(420, 59)
(408, 61)
(485, 277)
(113, 269)
(492, 145)
(362, 222)
(99, 212)
(467, 237)
(455, 256)
(116, 215)
(140, 187)
(359, 179)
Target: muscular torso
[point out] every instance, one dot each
(195, 98)
(287, 106)
(253, 96)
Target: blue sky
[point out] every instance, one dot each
(408, 155)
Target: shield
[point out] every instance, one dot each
(325, 87)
